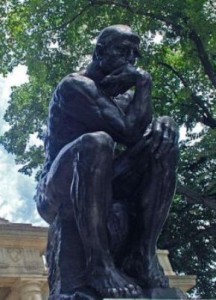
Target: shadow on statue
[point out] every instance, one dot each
(106, 207)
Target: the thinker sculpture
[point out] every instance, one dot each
(105, 210)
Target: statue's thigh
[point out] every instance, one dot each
(53, 190)
(60, 175)
(79, 158)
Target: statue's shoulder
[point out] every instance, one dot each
(77, 82)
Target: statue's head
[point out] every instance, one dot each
(116, 45)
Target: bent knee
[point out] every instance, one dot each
(148, 78)
(98, 140)
(168, 120)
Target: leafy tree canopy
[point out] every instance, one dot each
(53, 38)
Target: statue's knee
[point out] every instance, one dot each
(148, 79)
(98, 141)
(167, 120)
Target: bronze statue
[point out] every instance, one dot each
(106, 209)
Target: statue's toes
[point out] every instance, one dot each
(113, 292)
(124, 292)
(121, 292)
(135, 290)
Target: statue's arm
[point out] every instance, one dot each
(80, 98)
(139, 111)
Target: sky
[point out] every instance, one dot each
(16, 189)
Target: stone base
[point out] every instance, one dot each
(149, 294)
(82, 293)
(168, 293)
(159, 293)
(75, 296)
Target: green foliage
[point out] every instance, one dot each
(53, 38)
(191, 243)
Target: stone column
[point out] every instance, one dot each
(45, 291)
(14, 294)
(31, 290)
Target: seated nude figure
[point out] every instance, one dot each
(105, 206)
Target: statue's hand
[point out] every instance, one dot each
(123, 78)
(127, 74)
(164, 136)
(161, 136)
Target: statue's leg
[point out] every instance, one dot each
(65, 253)
(84, 170)
(66, 262)
(91, 194)
(154, 183)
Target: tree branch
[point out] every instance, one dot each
(207, 118)
(142, 12)
(194, 197)
(173, 243)
(71, 20)
(75, 17)
(208, 68)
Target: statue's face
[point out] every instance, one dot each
(119, 54)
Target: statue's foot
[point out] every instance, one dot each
(84, 293)
(111, 283)
(146, 270)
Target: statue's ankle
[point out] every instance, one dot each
(99, 261)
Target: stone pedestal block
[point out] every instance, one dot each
(158, 293)
(168, 293)
(31, 291)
